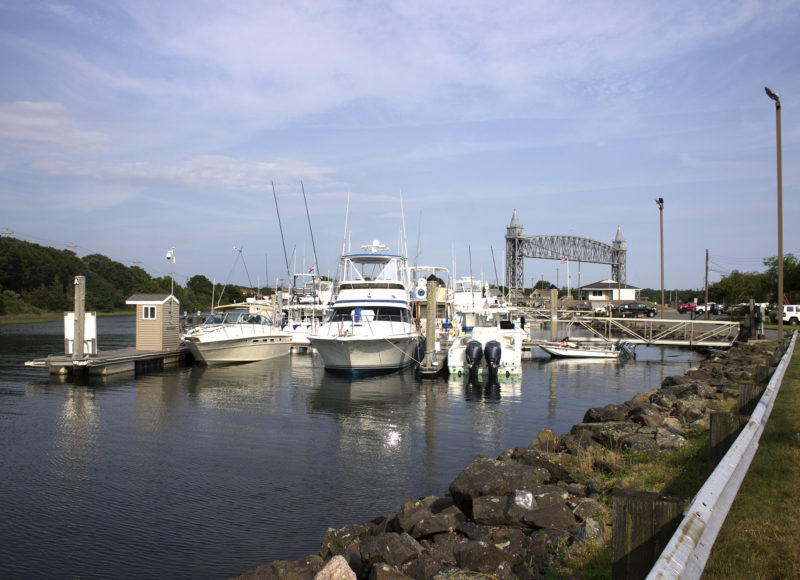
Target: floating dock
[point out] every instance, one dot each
(111, 362)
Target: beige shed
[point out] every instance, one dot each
(157, 321)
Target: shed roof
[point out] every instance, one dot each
(151, 299)
(608, 284)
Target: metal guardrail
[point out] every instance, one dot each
(686, 554)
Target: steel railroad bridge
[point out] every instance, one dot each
(572, 248)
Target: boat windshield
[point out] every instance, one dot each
(237, 317)
(372, 285)
(379, 313)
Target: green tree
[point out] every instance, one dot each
(791, 277)
(738, 287)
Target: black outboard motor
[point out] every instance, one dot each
(492, 352)
(473, 354)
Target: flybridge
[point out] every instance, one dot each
(374, 264)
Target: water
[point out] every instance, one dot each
(206, 472)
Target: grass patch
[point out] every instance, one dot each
(759, 537)
(29, 318)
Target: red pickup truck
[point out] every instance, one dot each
(687, 307)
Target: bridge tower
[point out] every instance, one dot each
(515, 257)
(619, 250)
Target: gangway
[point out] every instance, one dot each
(655, 331)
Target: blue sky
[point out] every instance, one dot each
(129, 128)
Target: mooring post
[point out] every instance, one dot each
(553, 315)
(80, 307)
(643, 523)
(430, 321)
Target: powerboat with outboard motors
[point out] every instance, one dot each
(487, 350)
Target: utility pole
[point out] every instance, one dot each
(774, 96)
(706, 307)
(660, 202)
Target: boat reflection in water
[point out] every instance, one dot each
(485, 388)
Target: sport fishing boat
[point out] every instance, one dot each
(237, 333)
(370, 328)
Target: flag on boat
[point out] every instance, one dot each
(311, 270)
(171, 255)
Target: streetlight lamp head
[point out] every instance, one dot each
(772, 95)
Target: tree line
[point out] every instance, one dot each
(37, 279)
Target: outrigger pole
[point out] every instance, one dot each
(285, 257)
(311, 231)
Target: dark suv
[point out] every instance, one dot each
(634, 310)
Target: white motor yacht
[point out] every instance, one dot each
(370, 328)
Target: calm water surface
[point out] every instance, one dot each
(206, 472)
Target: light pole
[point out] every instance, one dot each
(660, 202)
(774, 97)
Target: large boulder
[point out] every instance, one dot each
(486, 476)
(336, 569)
(302, 569)
(536, 458)
(606, 414)
(334, 541)
(483, 557)
(554, 517)
(393, 549)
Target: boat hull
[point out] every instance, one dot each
(555, 350)
(240, 350)
(366, 354)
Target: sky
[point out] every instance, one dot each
(130, 128)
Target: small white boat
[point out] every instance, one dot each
(370, 328)
(569, 349)
(236, 334)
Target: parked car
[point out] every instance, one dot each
(634, 310)
(712, 307)
(687, 307)
(791, 314)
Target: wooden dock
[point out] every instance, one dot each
(438, 364)
(112, 362)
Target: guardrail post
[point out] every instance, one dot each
(643, 525)
(725, 428)
(749, 394)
